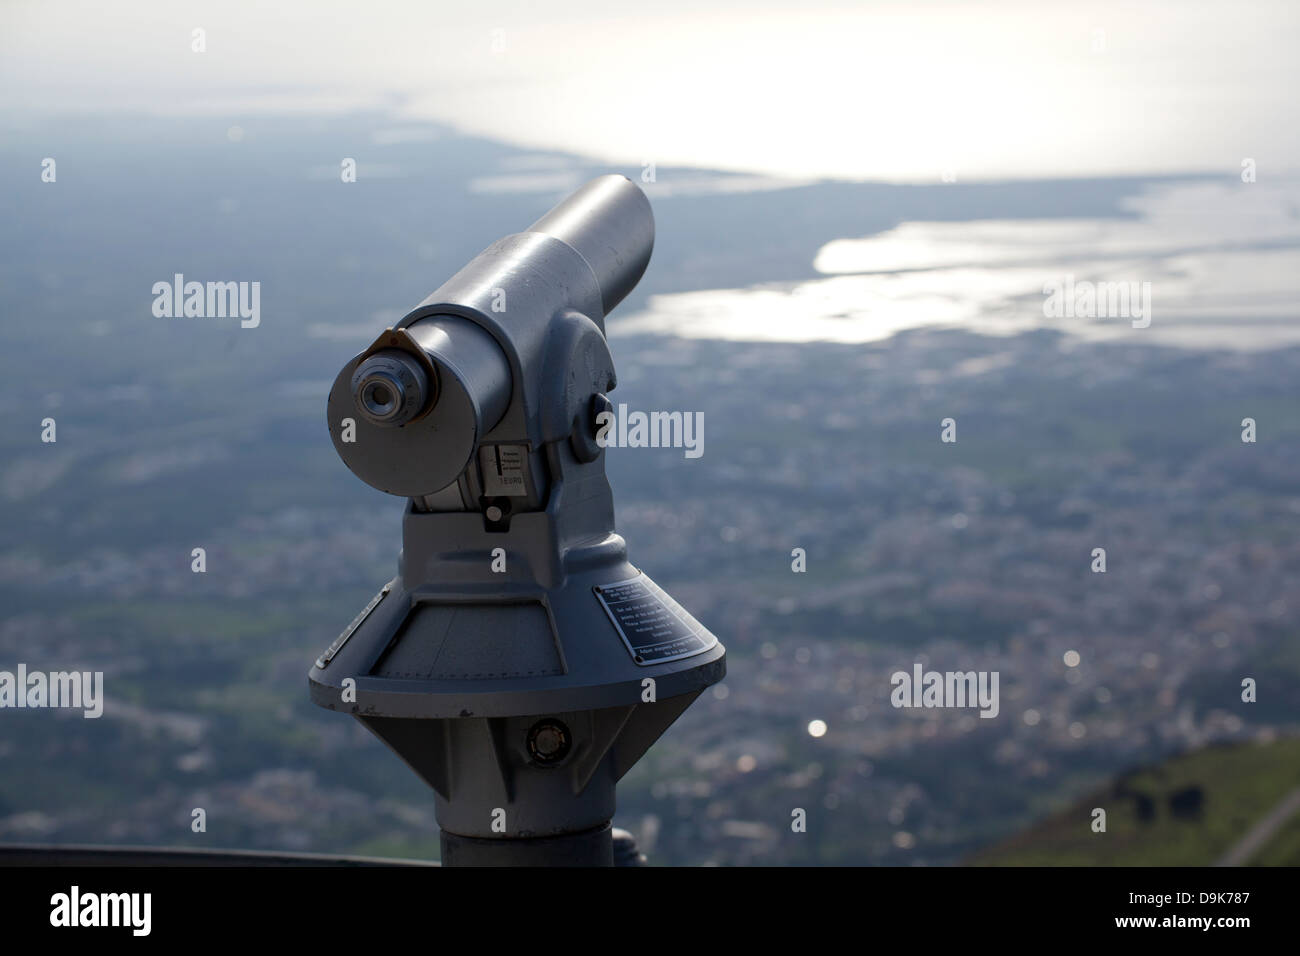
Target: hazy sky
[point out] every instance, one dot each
(869, 90)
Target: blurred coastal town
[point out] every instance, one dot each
(974, 554)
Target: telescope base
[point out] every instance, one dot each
(587, 848)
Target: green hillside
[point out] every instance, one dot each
(1188, 811)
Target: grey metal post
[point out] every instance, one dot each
(517, 662)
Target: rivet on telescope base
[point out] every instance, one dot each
(496, 513)
(549, 742)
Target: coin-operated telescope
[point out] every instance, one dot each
(518, 663)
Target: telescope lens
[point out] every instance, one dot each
(390, 388)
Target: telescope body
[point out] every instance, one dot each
(518, 662)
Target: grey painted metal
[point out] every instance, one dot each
(431, 446)
(612, 228)
(80, 855)
(626, 852)
(586, 848)
(457, 663)
(593, 847)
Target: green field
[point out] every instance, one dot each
(1239, 785)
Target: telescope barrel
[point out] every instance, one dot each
(609, 223)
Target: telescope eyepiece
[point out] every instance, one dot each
(391, 388)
